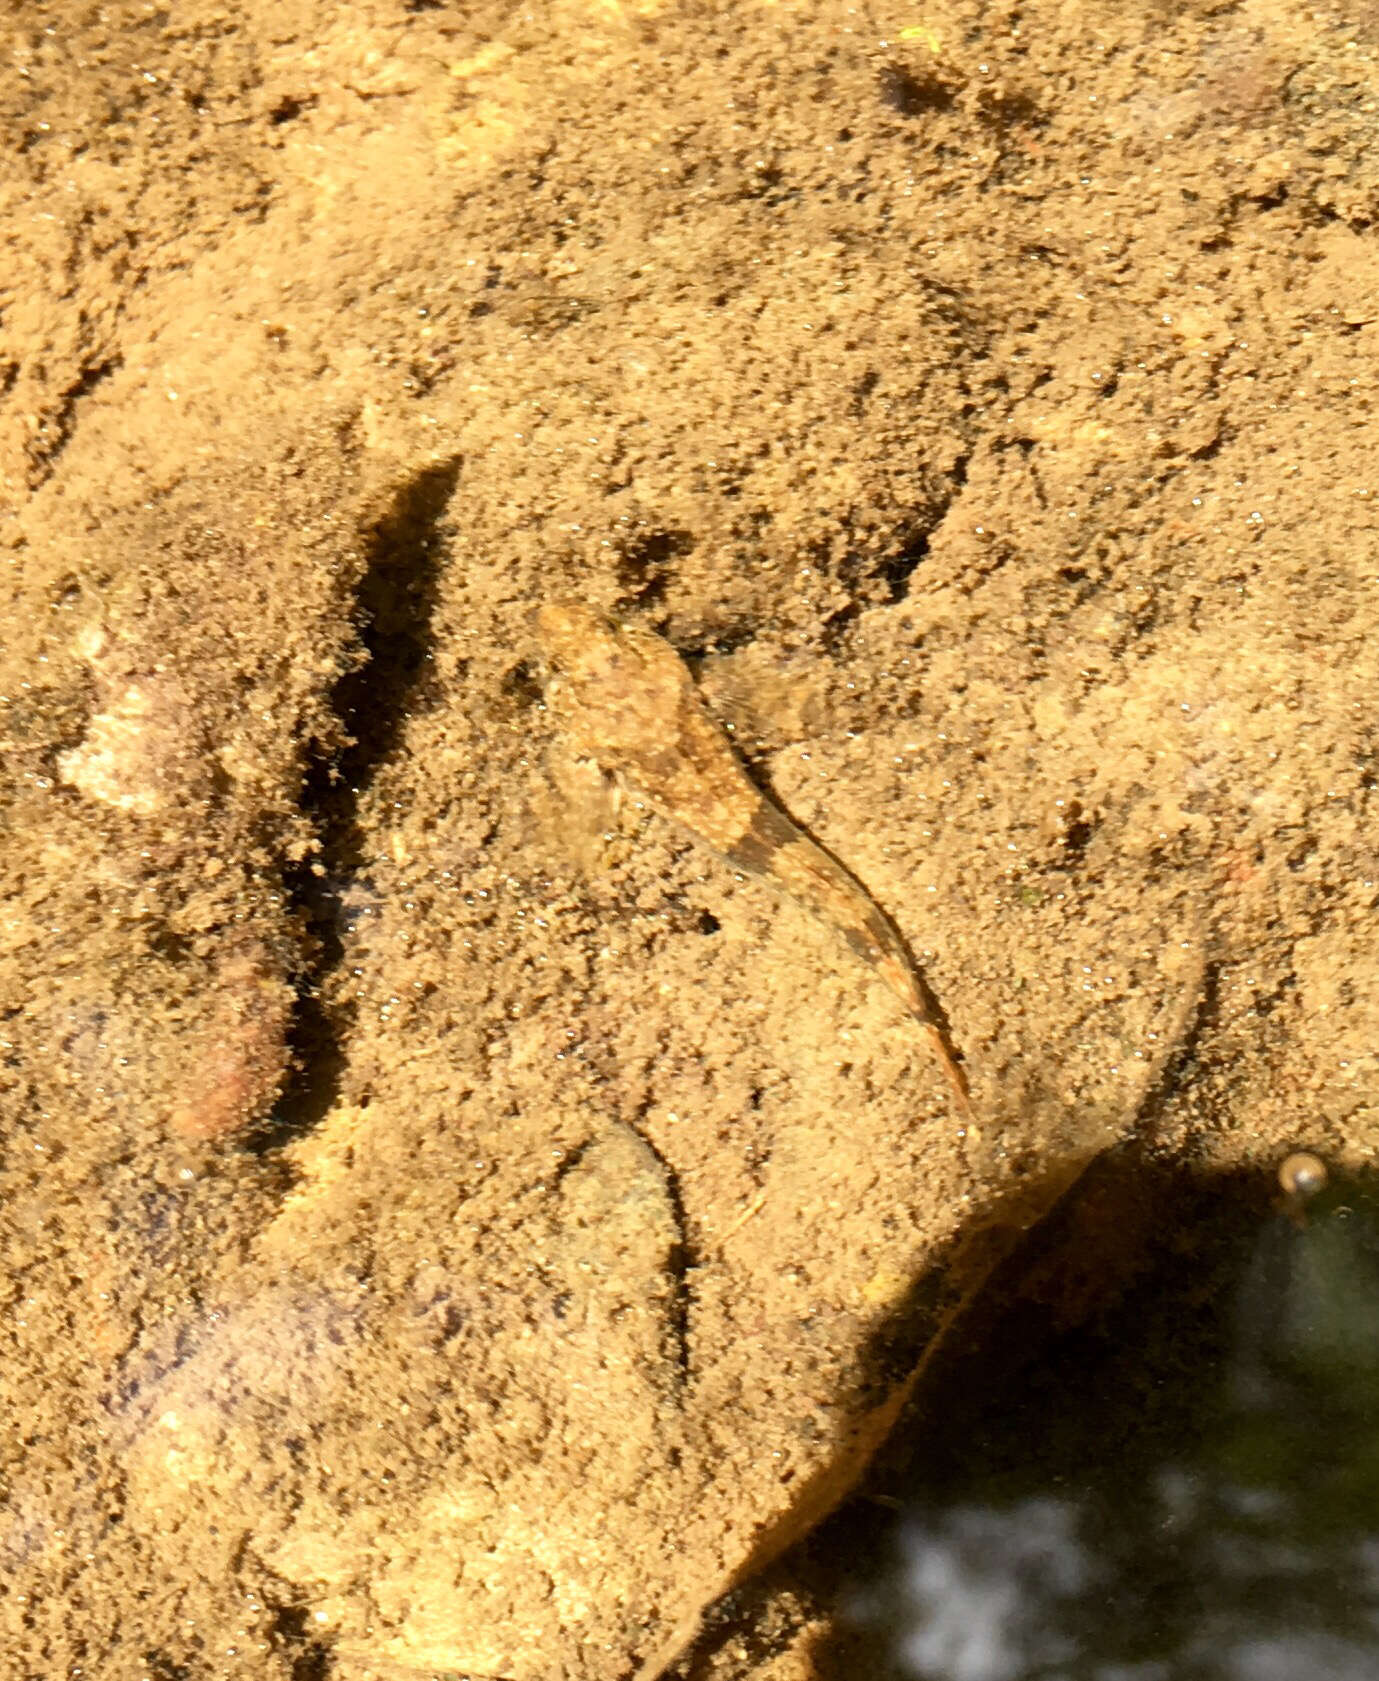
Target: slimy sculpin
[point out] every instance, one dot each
(624, 697)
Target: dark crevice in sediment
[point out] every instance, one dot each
(681, 1263)
(394, 604)
(58, 423)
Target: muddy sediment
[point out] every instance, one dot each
(450, 1221)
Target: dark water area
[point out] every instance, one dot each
(1152, 1454)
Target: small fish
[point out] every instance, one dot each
(625, 698)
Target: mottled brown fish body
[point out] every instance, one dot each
(781, 853)
(625, 697)
(775, 849)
